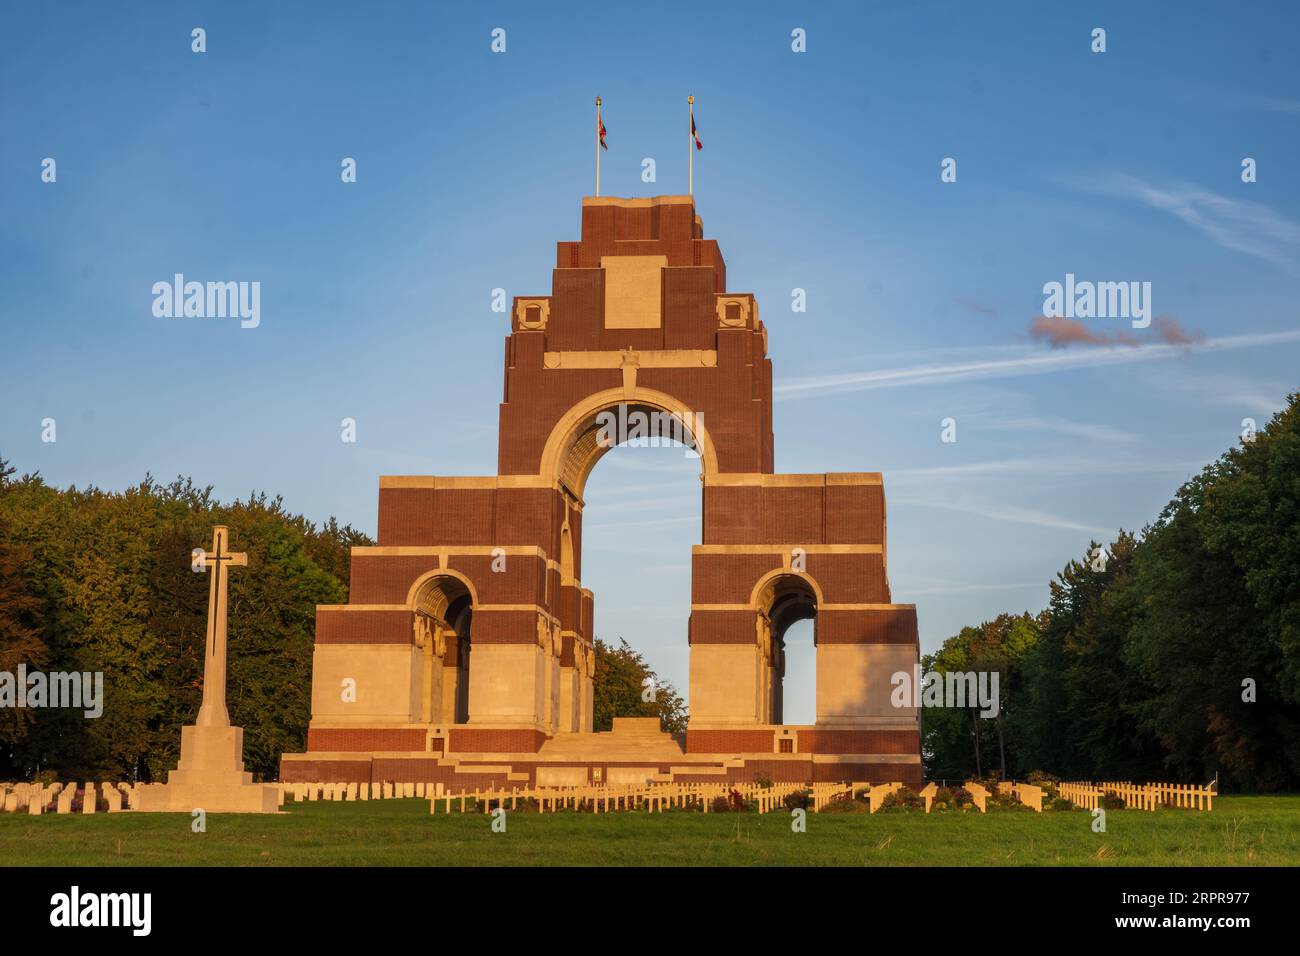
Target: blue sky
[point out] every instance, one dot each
(820, 171)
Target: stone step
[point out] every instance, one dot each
(688, 769)
(636, 725)
(478, 768)
(602, 741)
(611, 746)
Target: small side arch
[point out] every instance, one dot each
(769, 581)
(779, 599)
(423, 581)
(442, 606)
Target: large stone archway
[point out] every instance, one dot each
(638, 322)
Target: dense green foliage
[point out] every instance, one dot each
(98, 581)
(625, 686)
(1138, 667)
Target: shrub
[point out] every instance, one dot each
(1048, 781)
(1111, 800)
(733, 802)
(962, 797)
(764, 782)
(1060, 803)
(903, 798)
(1004, 801)
(799, 800)
(943, 799)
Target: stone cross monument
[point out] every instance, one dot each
(211, 774)
(213, 711)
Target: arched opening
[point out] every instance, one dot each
(444, 610)
(620, 416)
(640, 514)
(799, 680)
(628, 424)
(783, 600)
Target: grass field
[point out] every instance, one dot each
(1241, 831)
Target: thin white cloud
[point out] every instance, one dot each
(654, 461)
(645, 610)
(1032, 362)
(1061, 426)
(644, 503)
(1237, 224)
(653, 523)
(967, 588)
(621, 490)
(1043, 467)
(592, 545)
(996, 511)
(1253, 395)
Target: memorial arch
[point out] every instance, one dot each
(476, 582)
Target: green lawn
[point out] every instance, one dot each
(1245, 831)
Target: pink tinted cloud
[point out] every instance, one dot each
(1059, 333)
(1171, 331)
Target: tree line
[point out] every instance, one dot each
(97, 581)
(1175, 654)
(1172, 654)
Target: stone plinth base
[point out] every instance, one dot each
(634, 751)
(210, 777)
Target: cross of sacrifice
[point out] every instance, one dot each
(213, 711)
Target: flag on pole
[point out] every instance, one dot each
(698, 144)
(600, 143)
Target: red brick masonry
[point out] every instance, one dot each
(710, 358)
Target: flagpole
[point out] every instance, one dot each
(690, 148)
(598, 146)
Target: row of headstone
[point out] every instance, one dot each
(39, 798)
(384, 790)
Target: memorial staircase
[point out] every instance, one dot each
(632, 738)
(633, 742)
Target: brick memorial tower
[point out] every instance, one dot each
(464, 655)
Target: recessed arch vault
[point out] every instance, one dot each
(573, 447)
